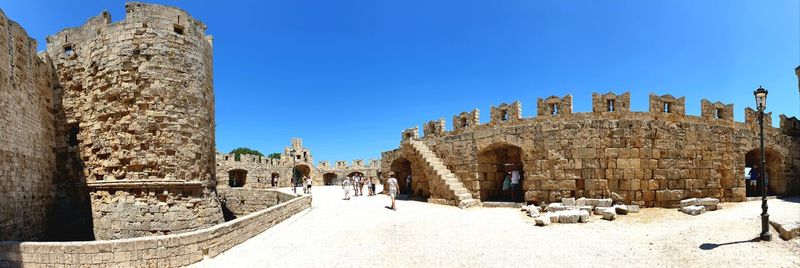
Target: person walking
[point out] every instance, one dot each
(755, 175)
(308, 184)
(392, 182)
(346, 186)
(371, 186)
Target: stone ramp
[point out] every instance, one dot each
(445, 187)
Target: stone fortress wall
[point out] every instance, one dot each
(137, 116)
(27, 162)
(256, 172)
(653, 158)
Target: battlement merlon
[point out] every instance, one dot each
(466, 119)
(505, 112)
(716, 110)
(410, 134)
(554, 105)
(751, 117)
(667, 104)
(611, 102)
(790, 125)
(434, 128)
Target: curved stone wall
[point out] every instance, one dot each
(649, 158)
(27, 162)
(138, 111)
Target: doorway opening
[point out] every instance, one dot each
(495, 164)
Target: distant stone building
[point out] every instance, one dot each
(253, 171)
(653, 158)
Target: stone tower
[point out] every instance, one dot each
(137, 120)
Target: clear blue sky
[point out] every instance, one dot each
(349, 76)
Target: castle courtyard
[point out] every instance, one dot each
(361, 232)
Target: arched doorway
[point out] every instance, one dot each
(774, 169)
(494, 163)
(402, 170)
(299, 171)
(330, 178)
(274, 178)
(237, 177)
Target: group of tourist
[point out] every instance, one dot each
(357, 183)
(510, 186)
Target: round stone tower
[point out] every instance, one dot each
(137, 114)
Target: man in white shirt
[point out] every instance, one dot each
(515, 178)
(392, 183)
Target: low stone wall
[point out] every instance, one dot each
(241, 202)
(156, 251)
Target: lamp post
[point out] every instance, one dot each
(761, 103)
(294, 180)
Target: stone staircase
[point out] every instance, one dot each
(446, 188)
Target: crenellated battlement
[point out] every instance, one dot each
(505, 113)
(554, 106)
(751, 117)
(611, 102)
(661, 107)
(433, 128)
(667, 104)
(716, 110)
(466, 119)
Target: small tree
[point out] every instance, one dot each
(275, 155)
(244, 150)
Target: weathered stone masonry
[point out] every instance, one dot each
(27, 162)
(650, 158)
(139, 116)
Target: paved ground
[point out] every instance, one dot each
(361, 232)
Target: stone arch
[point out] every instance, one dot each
(330, 178)
(774, 167)
(237, 177)
(300, 170)
(402, 169)
(494, 161)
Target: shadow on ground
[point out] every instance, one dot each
(710, 246)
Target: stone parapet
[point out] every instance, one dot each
(175, 250)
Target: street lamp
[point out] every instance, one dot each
(761, 104)
(294, 180)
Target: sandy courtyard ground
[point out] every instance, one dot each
(362, 232)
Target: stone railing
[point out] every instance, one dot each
(157, 251)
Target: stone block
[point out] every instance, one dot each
(609, 214)
(633, 209)
(542, 220)
(693, 210)
(532, 210)
(580, 202)
(599, 210)
(553, 216)
(586, 208)
(555, 207)
(708, 201)
(570, 202)
(621, 209)
(786, 230)
(690, 202)
(568, 216)
(605, 202)
(585, 216)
